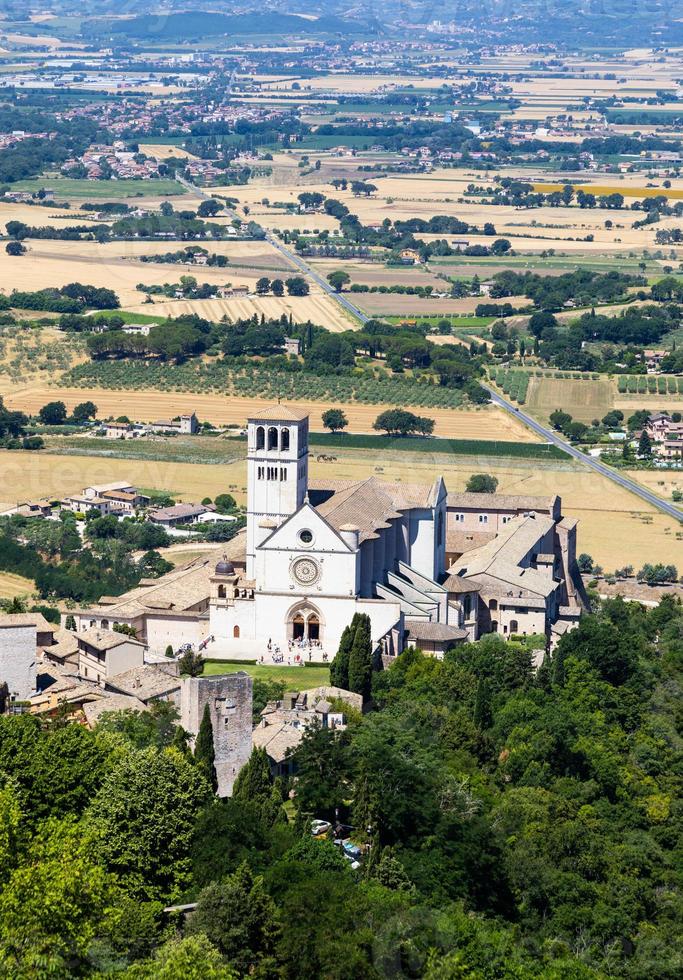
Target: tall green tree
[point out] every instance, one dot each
(142, 821)
(339, 668)
(254, 781)
(240, 918)
(644, 444)
(191, 958)
(483, 714)
(360, 658)
(205, 751)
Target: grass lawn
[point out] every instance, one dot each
(296, 678)
(100, 189)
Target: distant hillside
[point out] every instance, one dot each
(192, 24)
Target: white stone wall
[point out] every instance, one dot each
(18, 660)
(266, 618)
(175, 630)
(528, 623)
(339, 568)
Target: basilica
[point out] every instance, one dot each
(316, 554)
(430, 568)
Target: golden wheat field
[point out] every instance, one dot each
(483, 423)
(163, 152)
(120, 274)
(14, 585)
(614, 526)
(318, 307)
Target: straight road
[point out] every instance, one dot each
(549, 435)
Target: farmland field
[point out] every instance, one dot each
(14, 585)
(317, 307)
(615, 527)
(585, 400)
(105, 190)
(398, 304)
(485, 423)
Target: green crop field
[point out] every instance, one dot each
(456, 322)
(129, 317)
(457, 447)
(103, 190)
(253, 382)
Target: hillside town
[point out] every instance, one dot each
(341, 490)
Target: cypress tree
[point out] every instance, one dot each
(254, 782)
(483, 715)
(543, 675)
(360, 658)
(645, 445)
(339, 668)
(204, 752)
(557, 671)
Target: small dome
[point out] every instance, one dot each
(224, 567)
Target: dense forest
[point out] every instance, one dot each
(521, 824)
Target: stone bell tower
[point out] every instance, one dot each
(277, 471)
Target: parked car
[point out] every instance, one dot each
(320, 827)
(352, 851)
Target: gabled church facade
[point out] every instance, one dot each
(317, 554)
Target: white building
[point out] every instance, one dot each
(22, 637)
(318, 554)
(428, 569)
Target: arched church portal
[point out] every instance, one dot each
(304, 623)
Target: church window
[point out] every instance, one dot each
(272, 437)
(459, 518)
(493, 604)
(514, 626)
(260, 437)
(236, 632)
(261, 471)
(467, 606)
(305, 536)
(221, 592)
(483, 518)
(283, 473)
(284, 439)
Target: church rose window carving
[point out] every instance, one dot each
(305, 571)
(305, 536)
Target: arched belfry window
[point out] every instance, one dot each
(260, 437)
(272, 437)
(284, 439)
